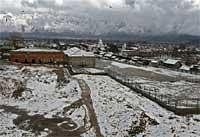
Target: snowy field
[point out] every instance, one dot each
(148, 72)
(37, 101)
(162, 71)
(176, 89)
(167, 82)
(117, 107)
(42, 95)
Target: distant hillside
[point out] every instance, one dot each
(111, 36)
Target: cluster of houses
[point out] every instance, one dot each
(178, 65)
(82, 54)
(152, 56)
(73, 56)
(174, 64)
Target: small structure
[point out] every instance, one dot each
(155, 63)
(36, 56)
(79, 58)
(195, 69)
(5, 55)
(185, 68)
(108, 55)
(171, 63)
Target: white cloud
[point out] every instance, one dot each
(156, 16)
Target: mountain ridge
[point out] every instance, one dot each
(114, 36)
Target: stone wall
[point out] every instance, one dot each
(81, 61)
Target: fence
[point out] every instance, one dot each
(180, 106)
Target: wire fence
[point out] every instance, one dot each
(171, 102)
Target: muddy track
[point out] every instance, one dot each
(90, 115)
(87, 100)
(59, 127)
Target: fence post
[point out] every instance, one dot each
(176, 103)
(186, 103)
(167, 101)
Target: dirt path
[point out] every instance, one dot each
(38, 123)
(60, 126)
(87, 100)
(90, 115)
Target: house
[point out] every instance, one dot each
(184, 68)
(77, 57)
(36, 56)
(155, 63)
(145, 61)
(108, 55)
(172, 63)
(5, 55)
(195, 69)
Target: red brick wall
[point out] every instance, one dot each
(37, 57)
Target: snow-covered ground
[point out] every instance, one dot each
(175, 89)
(148, 70)
(39, 97)
(167, 82)
(117, 107)
(41, 94)
(180, 89)
(7, 127)
(94, 71)
(166, 72)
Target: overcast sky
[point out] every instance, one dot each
(155, 15)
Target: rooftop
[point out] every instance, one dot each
(184, 67)
(171, 61)
(77, 52)
(35, 50)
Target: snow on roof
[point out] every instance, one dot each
(154, 61)
(35, 50)
(171, 61)
(184, 67)
(109, 54)
(77, 52)
(62, 43)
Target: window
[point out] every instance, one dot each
(33, 60)
(40, 61)
(26, 61)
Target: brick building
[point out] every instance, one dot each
(38, 56)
